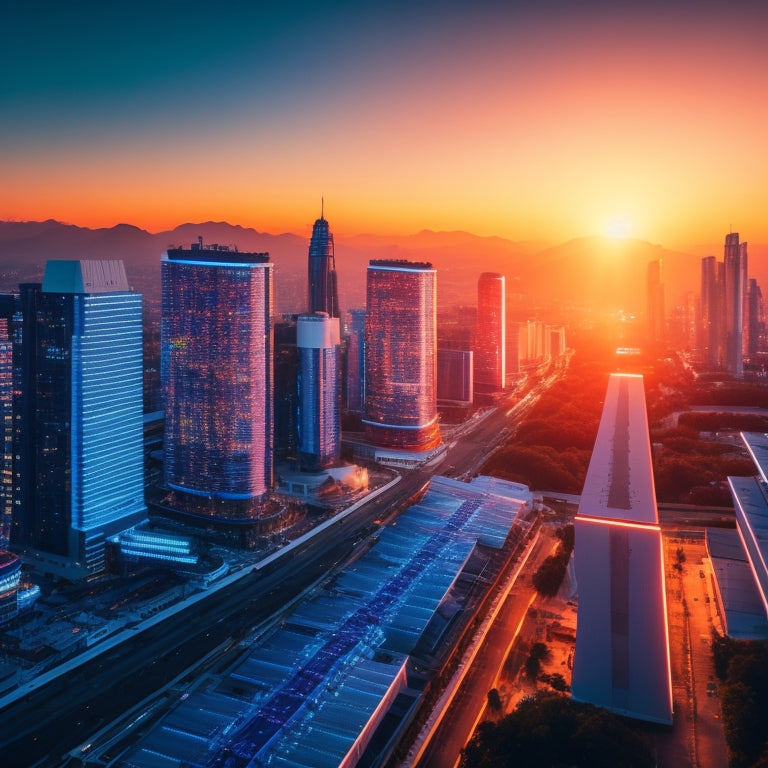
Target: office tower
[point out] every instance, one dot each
(490, 341)
(454, 377)
(735, 260)
(355, 390)
(216, 371)
(78, 470)
(286, 389)
(621, 659)
(710, 314)
(323, 295)
(655, 315)
(755, 324)
(318, 340)
(557, 340)
(400, 355)
(8, 306)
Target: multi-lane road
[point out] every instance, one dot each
(53, 719)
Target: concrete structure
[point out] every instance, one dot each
(401, 356)
(621, 660)
(217, 376)
(319, 388)
(78, 470)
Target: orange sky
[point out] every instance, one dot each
(532, 122)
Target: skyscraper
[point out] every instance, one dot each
(323, 295)
(735, 261)
(78, 471)
(217, 376)
(655, 313)
(400, 349)
(709, 324)
(318, 339)
(490, 343)
(355, 389)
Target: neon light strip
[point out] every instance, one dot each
(621, 523)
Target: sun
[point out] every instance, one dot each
(617, 227)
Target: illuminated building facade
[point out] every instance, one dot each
(217, 377)
(490, 344)
(401, 355)
(10, 575)
(318, 339)
(621, 660)
(323, 293)
(454, 377)
(8, 306)
(78, 471)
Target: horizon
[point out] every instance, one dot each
(529, 122)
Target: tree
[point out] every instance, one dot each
(494, 700)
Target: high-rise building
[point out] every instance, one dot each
(355, 389)
(621, 659)
(323, 293)
(755, 325)
(286, 390)
(8, 306)
(78, 471)
(454, 377)
(490, 341)
(400, 355)
(735, 261)
(318, 340)
(217, 377)
(655, 314)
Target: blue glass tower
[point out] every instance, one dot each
(78, 470)
(323, 293)
(318, 340)
(217, 375)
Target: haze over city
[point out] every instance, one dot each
(530, 121)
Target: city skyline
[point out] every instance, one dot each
(524, 122)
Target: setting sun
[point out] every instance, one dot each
(618, 228)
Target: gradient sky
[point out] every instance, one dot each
(528, 120)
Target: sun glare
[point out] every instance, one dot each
(618, 228)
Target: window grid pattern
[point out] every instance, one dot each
(217, 368)
(400, 345)
(490, 344)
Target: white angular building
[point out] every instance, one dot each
(621, 661)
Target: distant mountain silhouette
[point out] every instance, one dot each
(587, 271)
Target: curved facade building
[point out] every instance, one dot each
(318, 339)
(490, 342)
(401, 355)
(10, 575)
(323, 293)
(217, 370)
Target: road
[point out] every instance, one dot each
(49, 722)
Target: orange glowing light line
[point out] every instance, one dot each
(621, 523)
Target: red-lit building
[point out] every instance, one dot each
(490, 340)
(401, 355)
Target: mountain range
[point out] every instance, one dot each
(594, 272)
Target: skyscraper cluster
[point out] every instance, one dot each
(731, 319)
(240, 391)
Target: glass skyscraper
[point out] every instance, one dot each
(217, 377)
(323, 293)
(400, 353)
(78, 470)
(490, 340)
(318, 339)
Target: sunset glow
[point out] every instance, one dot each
(500, 119)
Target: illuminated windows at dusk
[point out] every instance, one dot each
(319, 422)
(400, 350)
(217, 369)
(79, 469)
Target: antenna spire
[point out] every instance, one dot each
(322, 207)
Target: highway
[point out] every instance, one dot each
(50, 721)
